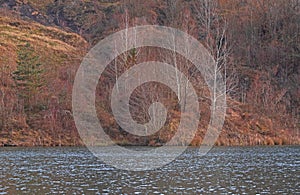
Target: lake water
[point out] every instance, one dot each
(224, 170)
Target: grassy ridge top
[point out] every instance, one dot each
(15, 31)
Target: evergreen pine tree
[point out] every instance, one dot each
(28, 76)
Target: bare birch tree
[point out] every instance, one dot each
(213, 29)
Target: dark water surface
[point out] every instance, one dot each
(225, 170)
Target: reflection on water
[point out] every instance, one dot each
(225, 170)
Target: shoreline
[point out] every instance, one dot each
(31, 138)
(146, 146)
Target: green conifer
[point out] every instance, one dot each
(28, 76)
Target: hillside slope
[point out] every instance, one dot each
(264, 59)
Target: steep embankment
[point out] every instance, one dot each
(59, 54)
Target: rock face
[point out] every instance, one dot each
(262, 110)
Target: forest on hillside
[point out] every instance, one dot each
(256, 44)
